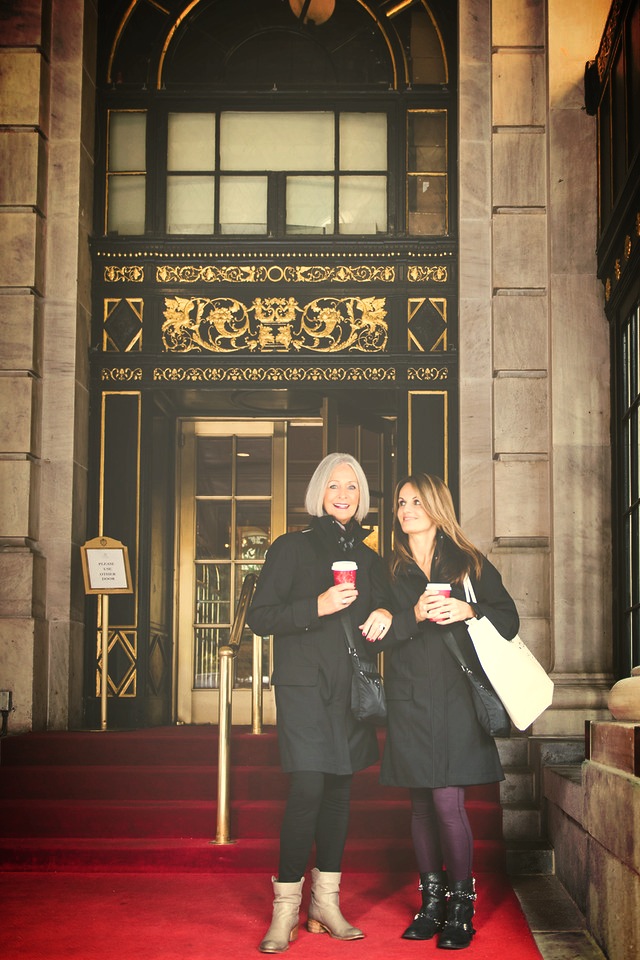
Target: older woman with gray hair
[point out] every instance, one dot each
(321, 744)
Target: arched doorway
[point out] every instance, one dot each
(274, 249)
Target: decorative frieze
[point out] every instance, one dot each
(276, 324)
(277, 273)
(274, 374)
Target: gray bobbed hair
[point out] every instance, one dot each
(316, 490)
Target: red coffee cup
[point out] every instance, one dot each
(444, 590)
(344, 571)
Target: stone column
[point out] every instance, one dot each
(532, 492)
(46, 146)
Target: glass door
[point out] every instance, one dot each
(228, 515)
(241, 484)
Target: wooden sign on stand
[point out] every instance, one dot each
(105, 565)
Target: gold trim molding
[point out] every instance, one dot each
(437, 274)
(274, 374)
(275, 324)
(275, 273)
(132, 274)
(121, 374)
(427, 373)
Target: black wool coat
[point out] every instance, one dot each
(312, 671)
(433, 736)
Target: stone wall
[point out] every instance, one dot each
(593, 821)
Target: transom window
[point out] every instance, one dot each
(278, 174)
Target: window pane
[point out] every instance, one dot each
(213, 530)
(253, 529)
(427, 142)
(363, 205)
(213, 470)
(310, 205)
(370, 458)
(191, 141)
(127, 141)
(207, 641)
(126, 204)
(276, 141)
(363, 141)
(190, 204)
(213, 583)
(253, 467)
(304, 453)
(427, 205)
(243, 204)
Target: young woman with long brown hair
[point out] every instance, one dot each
(435, 745)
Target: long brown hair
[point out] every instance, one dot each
(455, 555)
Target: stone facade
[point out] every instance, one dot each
(534, 454)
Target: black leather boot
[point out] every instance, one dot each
(458, 930)
(430, 917)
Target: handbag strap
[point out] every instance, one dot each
(348, 638)
(469, 593)
(453, 647)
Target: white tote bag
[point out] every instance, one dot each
(519, 680)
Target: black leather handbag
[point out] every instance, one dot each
(367, 689)
(490, 711)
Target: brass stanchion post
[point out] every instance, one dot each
(104, 679)
(224, 744)
(256, 686)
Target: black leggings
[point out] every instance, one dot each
(441, 831)
(317, 810)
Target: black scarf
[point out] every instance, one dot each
(335, 538)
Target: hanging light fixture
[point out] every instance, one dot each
(316, 11)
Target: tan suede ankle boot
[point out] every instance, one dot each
(324, 911)
(284, 922)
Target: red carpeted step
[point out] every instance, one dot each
(162, 745)
(157, 782)
(253, 819)
(92, 854)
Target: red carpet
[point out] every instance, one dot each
(106, 854)
(203, 917)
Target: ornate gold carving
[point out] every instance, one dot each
(638, 224)
(121, 374)
(627, 247)
(607, 289)
(617, 269)
(437, 274)
(133, 274)
(274, 324)
(256, 273)
(274, 374)
(427, 373)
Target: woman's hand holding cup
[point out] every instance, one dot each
(343, 592)
(435, 604)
